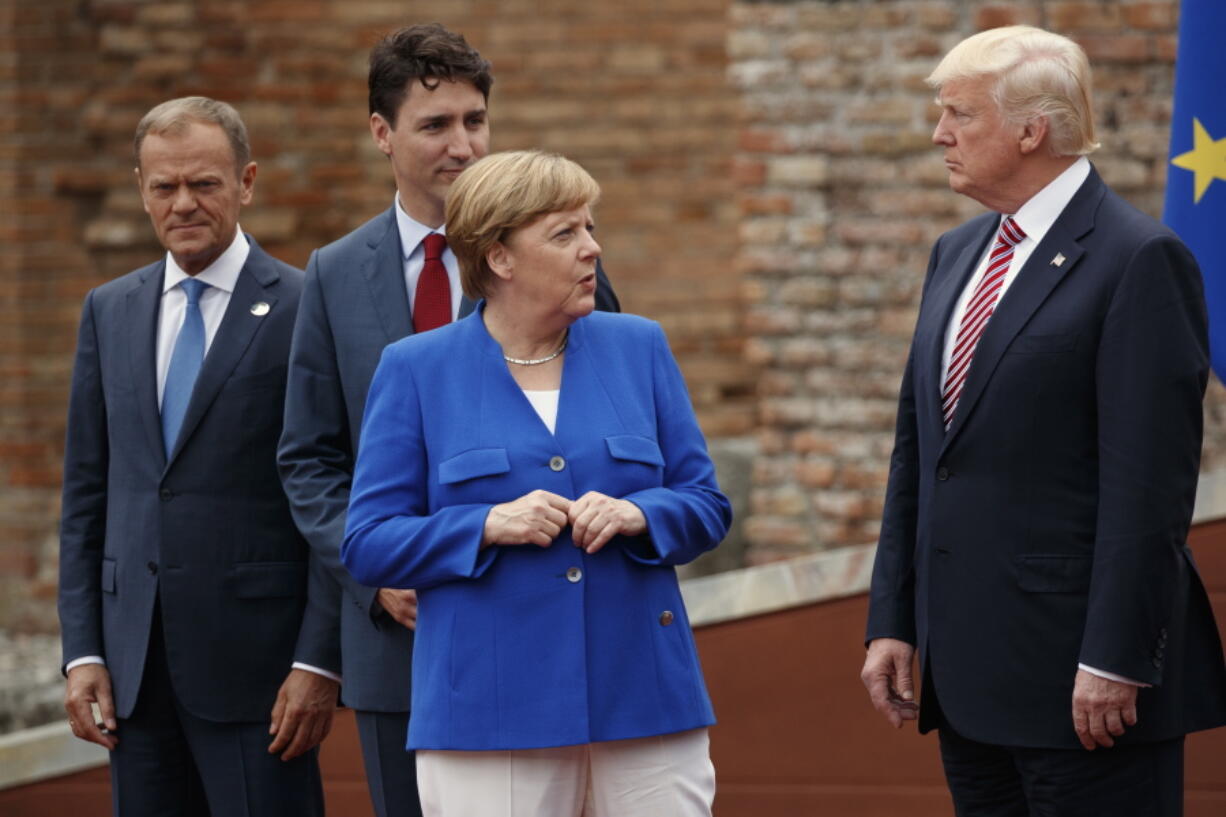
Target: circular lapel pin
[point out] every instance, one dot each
(260, 309)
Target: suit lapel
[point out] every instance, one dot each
(143, 302)
(384, 274)
(943, 298)
(1035, 282)
(238, 327)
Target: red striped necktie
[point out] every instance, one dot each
(432, 304)
(978, 311)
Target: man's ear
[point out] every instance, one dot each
(140, 185)
(1034, 134)
(247, 183)
(381, 132)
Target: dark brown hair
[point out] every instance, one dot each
(427, 53)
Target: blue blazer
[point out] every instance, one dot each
(205, 527)
(354, 304)
(525, 647)
(1048, 526)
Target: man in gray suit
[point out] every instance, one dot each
(379, 283)
(193, 615)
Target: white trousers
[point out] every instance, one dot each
(662, 776)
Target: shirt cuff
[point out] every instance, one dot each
(85, 659)
(1111, 676)
(330, 675)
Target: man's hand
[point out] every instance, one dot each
(401, 605)
(90, 684)
(596, 518)
(535, 518)
(302, 715)
(1101, 709)
(887, 675)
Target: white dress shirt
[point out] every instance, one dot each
(412, 234)
(221, 277)
(1035, 218)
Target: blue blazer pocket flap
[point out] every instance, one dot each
(479, 462)
(635, 449)
(108, 575)
(1055, 573)
(268, 580)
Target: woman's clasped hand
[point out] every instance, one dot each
(538, 517)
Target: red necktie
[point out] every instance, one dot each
(978, 311)
(432, 304)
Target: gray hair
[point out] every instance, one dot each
(175, 115)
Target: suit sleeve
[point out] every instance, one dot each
(392, 538)
(1152, 368)
(83, 517)
(315, 454)
(687, 515)
(891, 608)
(606, 298)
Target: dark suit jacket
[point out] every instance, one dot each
(354, 304)
(207, 528)
(1048, 526)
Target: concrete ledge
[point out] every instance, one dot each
(45, 751)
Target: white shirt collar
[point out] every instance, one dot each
(221, 274)
(412, 232)
(1036, 216)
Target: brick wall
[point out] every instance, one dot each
(770, 195)
(634, 90)
(842, 195)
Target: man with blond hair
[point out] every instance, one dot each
(1033, 544)
(193, 615)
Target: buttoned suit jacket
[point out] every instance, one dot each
(522, 646)
(206, 527)
(1048, 525)
(354, 304)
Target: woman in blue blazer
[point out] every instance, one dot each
(535, 471)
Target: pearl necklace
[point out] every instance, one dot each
(538, 361)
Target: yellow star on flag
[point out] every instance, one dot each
(1207, 159)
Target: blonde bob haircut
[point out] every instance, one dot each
(501, 193)
(1038, 73)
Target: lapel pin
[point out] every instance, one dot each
(260, 309)
(1058, 261)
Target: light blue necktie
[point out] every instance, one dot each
(185, 363)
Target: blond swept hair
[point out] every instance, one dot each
(501, 193)
(175, 115)
(1037, 73)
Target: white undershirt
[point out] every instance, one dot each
(412, 234)
(546, 404)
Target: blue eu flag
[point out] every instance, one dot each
(1196, 181)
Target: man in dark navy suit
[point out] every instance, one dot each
(390, 277)
(1033, 545)
(193, 615)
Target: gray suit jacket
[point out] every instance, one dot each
(205, 527)
(354, 304)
